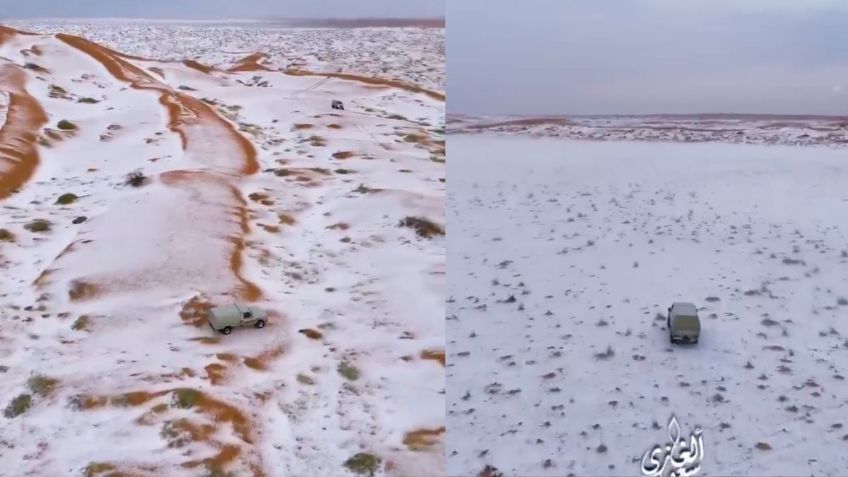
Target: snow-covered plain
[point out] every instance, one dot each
(564, 256)
(830, 131)
(256, 191)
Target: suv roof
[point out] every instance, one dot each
(684, 308)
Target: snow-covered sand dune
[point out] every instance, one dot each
(252, 188)
(409, 54)
(564, 256)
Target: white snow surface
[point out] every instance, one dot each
(564, 257)
(327, 255)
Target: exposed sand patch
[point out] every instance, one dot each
(250, 63)
(184, 430)
(423, 439)
(195, 311)
(195, 65)
(262, 361)
(435, 355)
(19, 134)
(8, 32)
(216, 373)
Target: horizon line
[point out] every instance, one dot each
(586, 115)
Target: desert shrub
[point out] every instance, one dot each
(18, 406)
(350, 372)
(304, 379)
(136, 179)
(88, 100)
(66, 199)
(185, 398)
(397, 116)
(363, 463)
(66, 125)
(423, 227)
(38, 225)
(41, 384)
(6, 236)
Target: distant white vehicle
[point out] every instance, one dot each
(336, 104)
(224, 318)
(683, 323)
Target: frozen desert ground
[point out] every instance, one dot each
(565, 254)
(255, 191)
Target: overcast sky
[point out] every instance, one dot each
(216, 9)
(647, 56)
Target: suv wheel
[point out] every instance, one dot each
(227, 330)
(260, 323)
